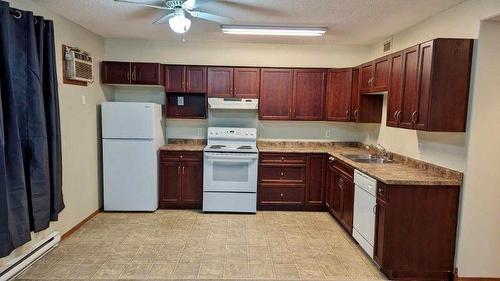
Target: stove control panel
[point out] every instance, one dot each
(232, 133)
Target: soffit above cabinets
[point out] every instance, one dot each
(357, 22)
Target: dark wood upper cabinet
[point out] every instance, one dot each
(185, 79)
(196, 81)
(114, 72)
(434, 91)
(315, 180)
(132, 73)
(410, 87)
(174, 78)
(308, 94)
(380, 74)
(275, 94)
(147, 73)
(365, 77)
(374, 76)
(355, 95)
(220, 82)
(338, 94)
(246, 82)
(395, 90)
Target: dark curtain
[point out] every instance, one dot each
(30, 152)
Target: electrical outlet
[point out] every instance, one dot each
(84, 99)
(180, 101)
(329, 133)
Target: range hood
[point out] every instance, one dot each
(233, 103)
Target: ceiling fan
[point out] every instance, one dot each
(177, 19)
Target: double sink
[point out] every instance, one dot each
(367, 158)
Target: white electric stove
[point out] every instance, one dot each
(230, 170)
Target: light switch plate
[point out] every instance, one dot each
(84, 99)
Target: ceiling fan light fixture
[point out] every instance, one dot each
(273, 30)
(179, 23)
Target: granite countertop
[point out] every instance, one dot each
(184, 145)
(404, 171)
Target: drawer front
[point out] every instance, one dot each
(283, 174)
(181, 156)
(283, 158)
(272, 195)
(344, 169)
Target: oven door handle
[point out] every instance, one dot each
(231, 159)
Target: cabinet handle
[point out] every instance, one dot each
(183, 169)
(348, 113)
(133, 74)
(282, 158)
(398, 116)
(179, 169)
(374, 209)
(180, 156)
(281, 195)
(414, 117)
(356, 112)
(282, 174)
(128, 76)
(331, 158)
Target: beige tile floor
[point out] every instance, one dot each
(187, 244)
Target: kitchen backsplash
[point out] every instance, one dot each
(196, 129)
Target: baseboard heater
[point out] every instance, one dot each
(19, 264)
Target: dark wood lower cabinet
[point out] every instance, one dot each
(340, 192)
(181, 179)
(415, 231)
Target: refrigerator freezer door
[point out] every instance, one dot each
(130, 120)
(130, 174)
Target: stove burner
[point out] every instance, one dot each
(245, 147)
(217, 146)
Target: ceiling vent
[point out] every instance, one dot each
(387, 47)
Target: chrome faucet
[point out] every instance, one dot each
(383, 151)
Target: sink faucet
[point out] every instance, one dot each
(383, 151)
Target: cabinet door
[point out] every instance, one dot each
(315, 180)
(410, 87)
(421, 115)
(395, 91)
(347, 187)
(355, 95)
(196, 79)
(246, 83)
(170, 194)
(308, 94)
(338, 95)
(366, 78)
(220, 82)
(146, 73)
(380, 74)
(378, 248)
(114, 72)
(192, 183)
(174, 78)
(336, 196)
(275, 94)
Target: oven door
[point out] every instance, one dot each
(230, 172)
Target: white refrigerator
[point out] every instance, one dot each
(131, 136)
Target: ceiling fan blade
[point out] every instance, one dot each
(209, 17)
(191, 4)
(164, 18)
(142, 4)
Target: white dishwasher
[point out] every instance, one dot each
(365, 203)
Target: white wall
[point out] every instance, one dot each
(79, 126)
(236, 54)
(479, 236)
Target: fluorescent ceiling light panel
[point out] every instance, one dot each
(273, 30)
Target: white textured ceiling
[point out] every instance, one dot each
(358, 22)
